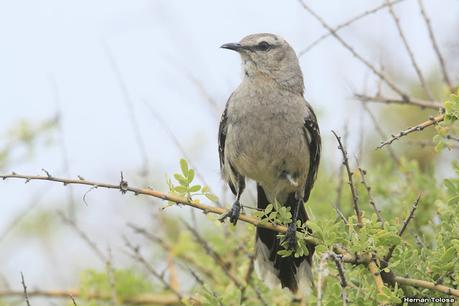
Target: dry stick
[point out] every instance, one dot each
(370, 197)
(26, 295)
(381, 132)
(339, 187)
(346, 256)
(157, 194)
(409, 51)
(138, 257)
(111, 277)
(339, 266)
(403, 95)
(168, 248)
(142, 299)
(83, 236)
(73, 300)
(129, 106)
(215, 256)
(64, 151)
(427, 285)
(355, 203)
(417, 128)
(403, 228)
(207, 288)
(374, 270)
(435, 45)
(412, 101)
(344, 25)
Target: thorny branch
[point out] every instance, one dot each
(346, 24)
(26, 295)
(408, 50)
(403, 228)
(337, 259)
(435, 45)
(355, 202)
(346, 45)
(411, 101)
(364, 258)
(417, 128)
(370, 197)
(143, 299)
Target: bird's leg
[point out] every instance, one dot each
(235, 210)
(290, 235)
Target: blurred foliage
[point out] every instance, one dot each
(25, 135)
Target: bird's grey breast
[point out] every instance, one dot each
(265, 135)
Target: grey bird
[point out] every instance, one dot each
(269, 133)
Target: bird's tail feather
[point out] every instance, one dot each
(273, 269)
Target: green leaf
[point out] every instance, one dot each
(184, 167)
(183, 181)
(211, 197)
(195, 188)
(190, 175)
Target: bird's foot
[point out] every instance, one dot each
(290, 237)
(233, 213)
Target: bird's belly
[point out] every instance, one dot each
(267, 152)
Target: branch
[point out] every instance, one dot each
(26, 295)
(355, 203)
(427, 285)
(142, 299)
(352, 50)
(374, 270)
(408, 50)
(409, 101)
(403, 228)
(344, 25)
(337, 259)
(416, 128)
(153, 193)
(381, 132)
(370, 197)
(435, 45)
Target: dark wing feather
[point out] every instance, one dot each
(221, 141)
(313, 137)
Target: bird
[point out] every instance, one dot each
(269, 133)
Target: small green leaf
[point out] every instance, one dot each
(195, 188)
(184, 167)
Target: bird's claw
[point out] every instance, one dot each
(233, 213)
(290, 237)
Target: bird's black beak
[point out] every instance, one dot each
(232, 46)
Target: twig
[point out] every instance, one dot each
(344, 25)
(353, 52)
(355, 203)
(374, 270)
(435, 46)
(416, 128)
(73, 300)
(64, 151)
(141, 299)
(92, 245)
(168, 248)
(216, 257)
(156, 194)
(207, 288)
(129, 107)
(111, 277)
(339, 266)
(408, 50)
(403, 228)
(381, 132)
(427, 285)
(137, 256)
(411, 101)
(370, 197)
(347, 257)
(26, 295)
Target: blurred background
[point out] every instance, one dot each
(93, 88)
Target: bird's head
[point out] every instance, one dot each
(270, 55)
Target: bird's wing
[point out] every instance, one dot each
(312, 134)
(221, 141)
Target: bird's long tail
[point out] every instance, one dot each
(273, 269)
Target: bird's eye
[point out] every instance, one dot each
(263, 46)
